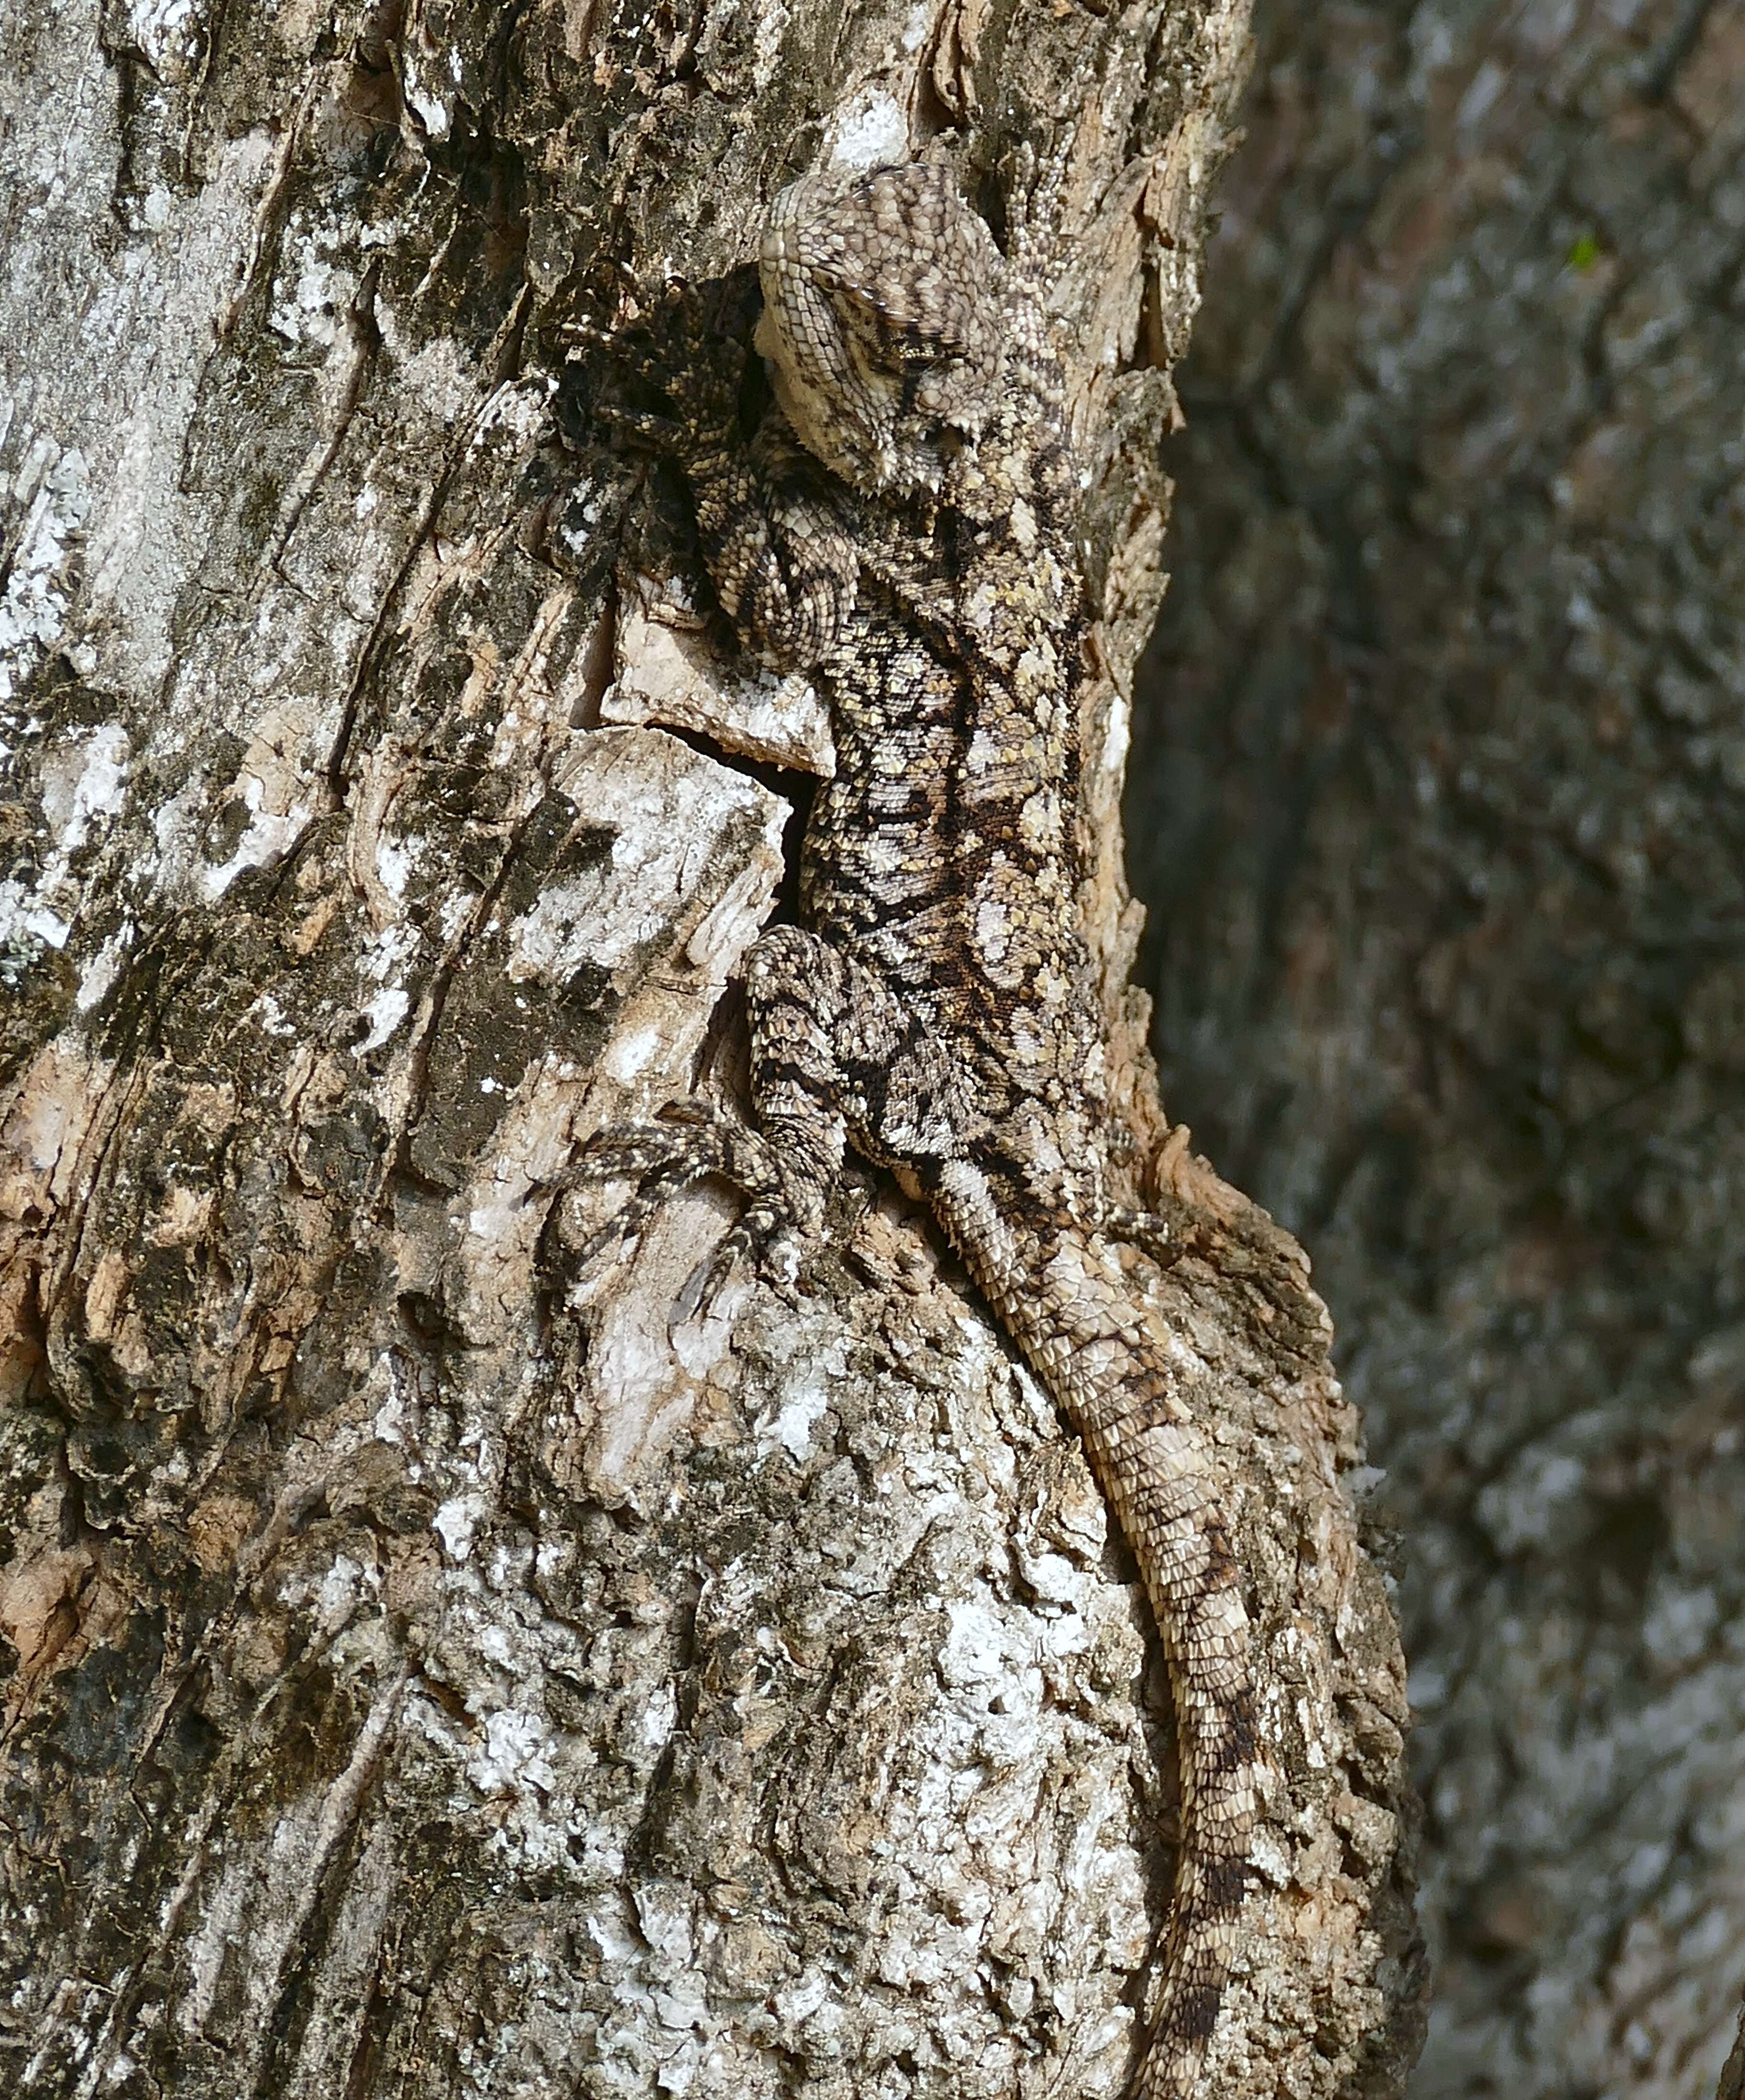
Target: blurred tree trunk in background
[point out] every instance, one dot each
(1733, 2076)
(427, 1672)
(1439, 796)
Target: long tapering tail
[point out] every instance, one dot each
(1064, 1303)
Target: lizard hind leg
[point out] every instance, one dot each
(835, 1055)
(690, 1143)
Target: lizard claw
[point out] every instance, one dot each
(583, 336)
(759, 1230)
(690, 1143)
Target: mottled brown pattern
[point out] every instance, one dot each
(935, 1008)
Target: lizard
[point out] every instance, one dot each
(901, 525)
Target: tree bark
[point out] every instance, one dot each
(433, 1666)
(1443, 806)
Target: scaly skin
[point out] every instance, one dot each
(935, 1009)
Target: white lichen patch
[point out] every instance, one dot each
(52, 487)
(101, 971)
(454, 1524)
(514, 1756)
(164, 32)
(313, 289)
(28, 923)
(871, 132)
(268, 835)
(788, 1424)
(425, 99)
(83, 781)
(383, 963)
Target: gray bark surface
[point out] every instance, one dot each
(429, 1670)
(1440, 799)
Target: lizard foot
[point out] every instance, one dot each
(1153, 1234)
(691, 1144)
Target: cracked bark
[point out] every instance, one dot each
(428, 1671)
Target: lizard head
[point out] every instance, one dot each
(883, 323)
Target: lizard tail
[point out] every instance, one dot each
(1088, 1342)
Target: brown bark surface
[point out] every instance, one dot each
(428, 1671)
(1439, 793)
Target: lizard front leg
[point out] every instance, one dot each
(784, 565)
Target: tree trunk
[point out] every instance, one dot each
(1443, 808)
(435, 1665)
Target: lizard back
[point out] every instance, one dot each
(902, 525)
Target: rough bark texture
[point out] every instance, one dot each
(1442, 798)
(427, 1674)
